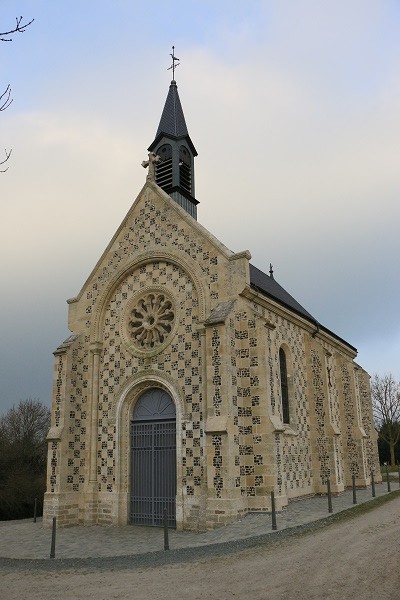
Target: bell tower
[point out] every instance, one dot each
(174, 173)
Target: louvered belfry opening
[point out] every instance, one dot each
(164, 167)
(153, 460)
(174, 173)
(185, 171)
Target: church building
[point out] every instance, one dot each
(192, 381)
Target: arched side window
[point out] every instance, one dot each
(284, 386)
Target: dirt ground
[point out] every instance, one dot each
(355, 559)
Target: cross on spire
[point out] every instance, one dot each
(173, 66)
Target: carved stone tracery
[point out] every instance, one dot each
(151, 320)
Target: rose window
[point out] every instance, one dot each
(150, 321)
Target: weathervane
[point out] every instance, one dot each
(174, 60)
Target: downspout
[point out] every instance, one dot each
(316, 331)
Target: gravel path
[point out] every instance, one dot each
(356, 557)
(28, 540)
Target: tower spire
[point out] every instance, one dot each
(174, 173)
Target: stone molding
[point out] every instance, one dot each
(188, 266)
(62, 348)
(216, 425)
(146, 379)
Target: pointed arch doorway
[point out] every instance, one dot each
(153, 459)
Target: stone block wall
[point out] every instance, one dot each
(218, 358)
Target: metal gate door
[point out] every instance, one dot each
(153, 460)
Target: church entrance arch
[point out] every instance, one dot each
(153, 459)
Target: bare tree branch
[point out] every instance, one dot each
(5, 98)
(20, 28)
(2, 162)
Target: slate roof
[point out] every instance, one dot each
(172, 120)
(267, 285)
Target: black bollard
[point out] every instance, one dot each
(353, 477)
(166, 542)
(387, 478)
(35, 510)
(373, 484)
(273, 510)
(53, 539)
(328, 485)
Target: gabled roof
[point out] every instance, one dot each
(265, 284)
(268, 286)
(172, 120)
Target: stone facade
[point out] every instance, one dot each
(169, 307)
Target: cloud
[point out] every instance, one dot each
(293, 108)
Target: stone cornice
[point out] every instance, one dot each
(314, 329)
(277, 308)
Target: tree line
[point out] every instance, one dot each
(23, 458)
(385, 391)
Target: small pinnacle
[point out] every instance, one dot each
(271, 271)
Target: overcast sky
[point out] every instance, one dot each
(294, 110)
